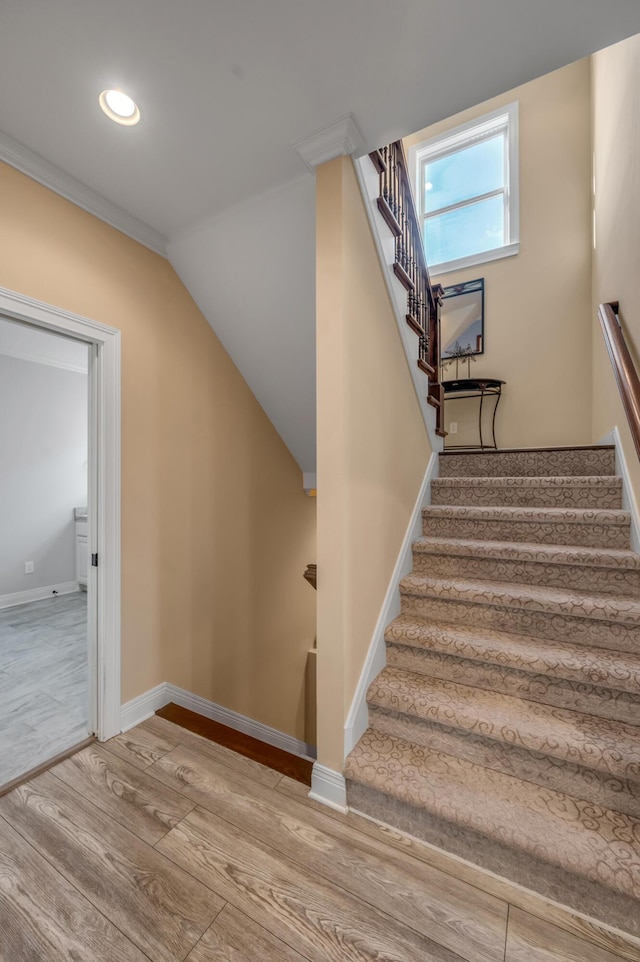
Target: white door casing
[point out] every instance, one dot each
(103, 494)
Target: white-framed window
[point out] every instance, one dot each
(466, 185)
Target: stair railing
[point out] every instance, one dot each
(424, 299)
(623, 367)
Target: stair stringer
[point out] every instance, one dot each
(358, 717)
(385, 246)
(629, 502)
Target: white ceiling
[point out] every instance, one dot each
(226, 86)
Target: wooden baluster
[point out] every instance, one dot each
(384, 175)
(423, 300)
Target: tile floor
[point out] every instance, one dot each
(43, 681)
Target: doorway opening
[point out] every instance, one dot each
(47, 701)
(60, 521)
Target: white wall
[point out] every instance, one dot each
(252, 274)
(43, 465)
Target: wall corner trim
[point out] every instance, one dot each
(57, 180)
(329, 788)
(629, 502)
(338, 139)
(138, 709)
(358, 717)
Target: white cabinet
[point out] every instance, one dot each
(82, 552)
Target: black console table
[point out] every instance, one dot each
(472, 387)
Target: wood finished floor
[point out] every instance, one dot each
(298, 768)
(162, 845)
(44, 684)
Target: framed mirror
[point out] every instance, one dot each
(462, 319)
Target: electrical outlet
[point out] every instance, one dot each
(28, 567)
(453, 427)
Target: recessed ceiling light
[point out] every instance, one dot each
(120, 107)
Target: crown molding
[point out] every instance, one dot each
(39, 169)
(339, 139)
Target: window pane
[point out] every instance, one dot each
(465, 231)
(465, 174)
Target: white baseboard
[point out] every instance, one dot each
(329, 788)
(629, 502)
(142, 707)
(37, 594)
(358, 717)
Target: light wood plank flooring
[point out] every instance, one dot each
(44, 685)
(163, 846)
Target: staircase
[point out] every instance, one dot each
(505, 727)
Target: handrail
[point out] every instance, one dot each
(424, 299)
(623, 367)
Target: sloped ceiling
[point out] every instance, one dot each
(225, 87)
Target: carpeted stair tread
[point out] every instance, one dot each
(544, 481)
(600, 743)
(581, 663)
(619, 794)
(576, 516)
(583, 838)
(615, 571)
(532, 462)
(605, 607)
(590, 527)
(521, 551)
(600, 491)
(547, 689)
(505, 727)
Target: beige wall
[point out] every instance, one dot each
(216, 529)
(537, 303)
(616, 258)
(372, 446)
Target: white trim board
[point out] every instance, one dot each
(138, 709)
(329, 788)
(340, 138)
(47, 174)
(104, 493)
(38, 594)
(357, 719)
(368, 179)
(629, 502)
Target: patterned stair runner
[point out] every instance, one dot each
(506, 725)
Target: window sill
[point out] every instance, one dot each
(509, 250)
